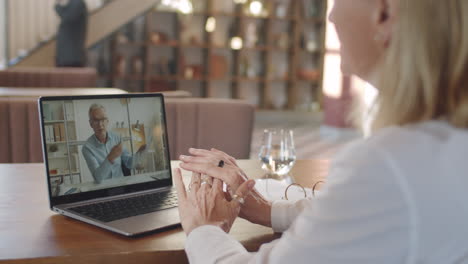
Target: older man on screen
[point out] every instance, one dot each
(103, 151)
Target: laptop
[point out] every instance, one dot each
(107, 161)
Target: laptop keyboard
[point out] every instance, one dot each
(118, 209)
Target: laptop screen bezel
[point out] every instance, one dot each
(108, 192)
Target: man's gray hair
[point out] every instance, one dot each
(95, 107)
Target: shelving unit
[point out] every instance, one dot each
(279, 64)
(60, 132)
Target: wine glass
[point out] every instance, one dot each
(277, 152)
(277, 155)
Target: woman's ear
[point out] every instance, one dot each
(385, 16)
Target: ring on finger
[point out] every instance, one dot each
(205, 182)
(207, 179)
(238, 199)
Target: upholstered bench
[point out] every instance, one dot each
(48, 77)
(192, 122)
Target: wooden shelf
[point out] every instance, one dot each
(162, 44)
(61, 157)
(222, 14)
(179, 78)
(286, 18)
(314, 20)
(57, 142)
(249, 79)
(65, 174)
(253, 17)
(53, 121)
(128, 77)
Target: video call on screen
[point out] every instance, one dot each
(94, 144)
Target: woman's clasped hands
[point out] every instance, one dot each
(206, 202)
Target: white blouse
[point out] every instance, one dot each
(400, 196)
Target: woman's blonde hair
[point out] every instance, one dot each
(425, 70)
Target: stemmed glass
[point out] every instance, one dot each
(277, 152)
(277, 155)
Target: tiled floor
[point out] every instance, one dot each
(312, 140)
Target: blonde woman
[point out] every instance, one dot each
(400, 196)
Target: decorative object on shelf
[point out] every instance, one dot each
(311, 41)
(193, 72)
(282, 8)
(120, 65)
(121, 38)
(159, 38)
(188, 72)
(278, 72)
(218, 66)
(308, 74)
(137, 65)
(247, 68)
(243, 66)
(282, 40)
(311, 8)
(251, 34)
(53, 149)
(251, 71)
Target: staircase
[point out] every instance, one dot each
(102, 22)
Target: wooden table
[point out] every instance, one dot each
(31, 233)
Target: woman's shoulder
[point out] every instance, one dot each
(420, 138)
(412, 143)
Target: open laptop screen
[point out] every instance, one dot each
(97, 146)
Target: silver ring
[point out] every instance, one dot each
(205, 182)
(238, 199)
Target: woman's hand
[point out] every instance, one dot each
(211, 158)
(205, 204)
(256, 208)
